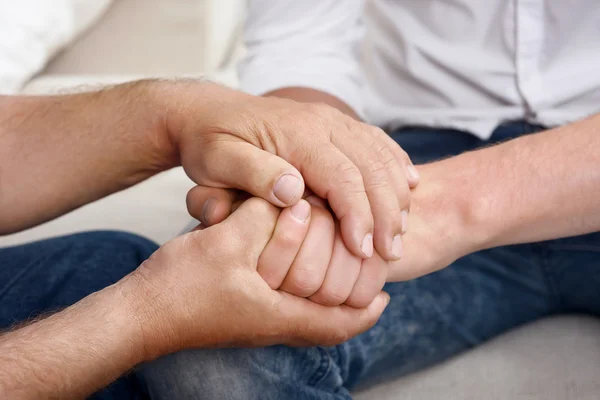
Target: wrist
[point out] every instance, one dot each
(147, 308)
(129, 337)
(153, 102)
(453, 186)
(187, 106)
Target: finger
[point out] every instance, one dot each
(307, 323)
(279, 254)
(341, 276)
(371, 279)
(332, 176)
(310, 265)
(250, 227)
(241, 165)
(399, 183)
(400, 178)
(378, 164)
(210, 205)
(412, 175)
(403, 192)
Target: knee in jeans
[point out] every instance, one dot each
(275, 372)
(210, 374)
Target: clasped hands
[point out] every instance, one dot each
(306, 255)
(258, 274)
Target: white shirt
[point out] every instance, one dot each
(465, 64)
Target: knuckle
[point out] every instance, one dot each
(236, 249)
(288, 239)
(377, 167)
(332, 296)
(348, 175)
(363, 294)
(270, 275)
(376, 131)
(402, 156)
(304, 282)
(358, 300)
(388, 157)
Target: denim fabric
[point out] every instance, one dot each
(428, 320)
(46, 276)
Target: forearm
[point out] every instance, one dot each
(307, 95)
(60, 152)
(533, 188)
(72, 353)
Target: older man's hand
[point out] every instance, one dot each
(203, 290)
(119, 136)
(266, 146)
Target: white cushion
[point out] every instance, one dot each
(33, 31)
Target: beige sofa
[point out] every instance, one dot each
(554, 359)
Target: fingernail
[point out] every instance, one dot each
(397, 246)
(300, 211)
(208, 208)
(286, 189)
(404, 216)
(367, 245)
(387, 299)
(412, 172)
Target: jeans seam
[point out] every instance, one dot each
(322, 370)
(341, 361)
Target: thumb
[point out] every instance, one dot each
(328, 326)
(241, 165)
(250, 226)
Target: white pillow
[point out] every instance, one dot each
(33, 31)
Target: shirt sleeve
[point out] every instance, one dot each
(305, 43)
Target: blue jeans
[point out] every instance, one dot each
(428, 320)
(49, 275)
